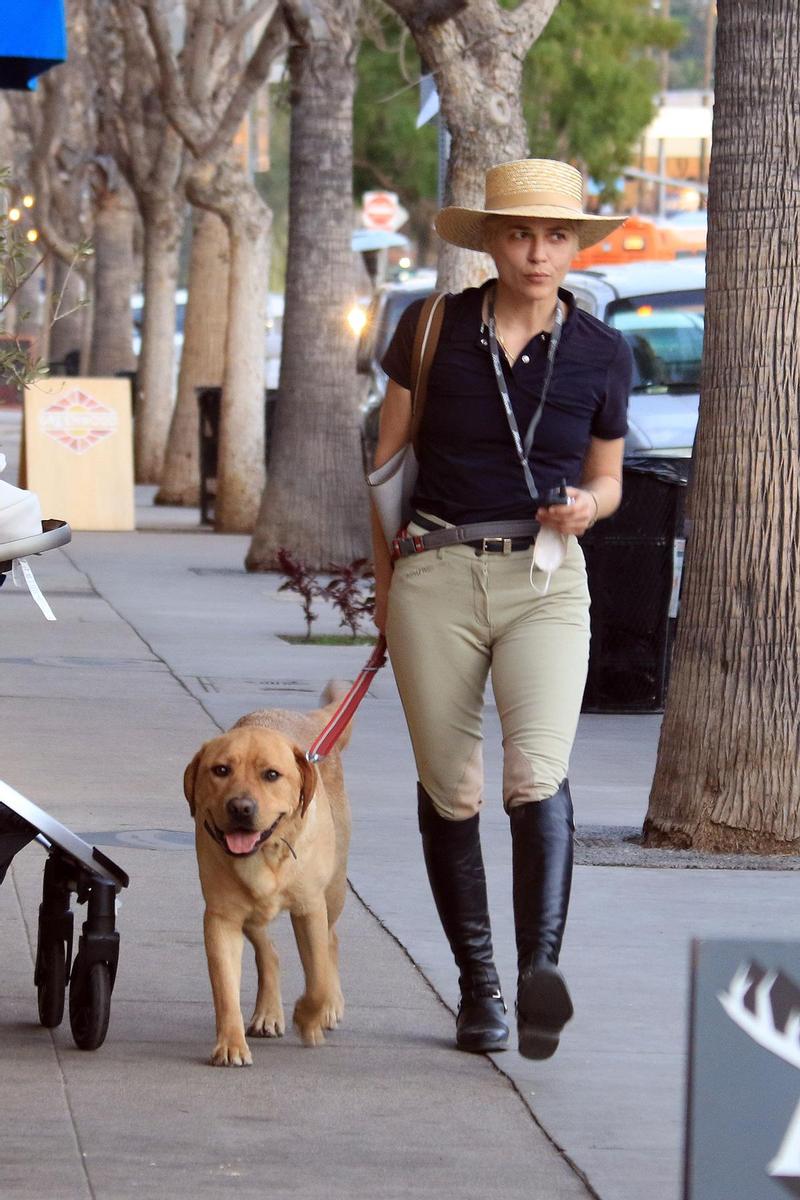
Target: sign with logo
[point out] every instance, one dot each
(382, 210)
(78, 455)
(743, 1112)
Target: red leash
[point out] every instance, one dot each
(325, 741)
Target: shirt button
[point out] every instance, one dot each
(526, 358)
(484, 342)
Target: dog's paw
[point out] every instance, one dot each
(333, 1012)
(309, 1020)
(267, 1025)
(231, 1054)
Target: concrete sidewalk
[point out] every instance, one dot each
(161, 639)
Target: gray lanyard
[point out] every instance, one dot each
(524, 450)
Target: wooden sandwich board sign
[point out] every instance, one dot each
(743, 1111)
(78, 451)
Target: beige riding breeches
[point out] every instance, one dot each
(454, 616)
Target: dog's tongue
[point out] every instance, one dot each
(241, 842)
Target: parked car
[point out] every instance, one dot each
(658, 307)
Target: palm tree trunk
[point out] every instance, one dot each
(202, 359)
(728, 771)
(314, 502)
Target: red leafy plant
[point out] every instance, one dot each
(303, 581)
(349, 591)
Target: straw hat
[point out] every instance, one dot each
(529, 187)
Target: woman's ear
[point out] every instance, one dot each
(308, 779)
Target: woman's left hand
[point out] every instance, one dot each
(575, 517)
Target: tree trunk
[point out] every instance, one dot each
(155, 380)
(481, 98)
(728, 771)
(202, 358)
(112, 332)
(314, 503)
(476, 51)
(240, 465)
(67, 333)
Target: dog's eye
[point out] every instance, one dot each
(221, 770)
(271, 775)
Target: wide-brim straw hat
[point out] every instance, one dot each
(528, 187)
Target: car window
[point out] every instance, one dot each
(393, 309)
(384, 312)
(665, 333)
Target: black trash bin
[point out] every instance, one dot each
(633, 563)
(209, 401)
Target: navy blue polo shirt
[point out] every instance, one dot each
(469, 470)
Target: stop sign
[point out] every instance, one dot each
(381, 210)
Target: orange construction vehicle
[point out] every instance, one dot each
(641, 239)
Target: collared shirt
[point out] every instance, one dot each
(469, 469)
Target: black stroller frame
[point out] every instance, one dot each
(73, 866)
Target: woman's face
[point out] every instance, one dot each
(532, 254)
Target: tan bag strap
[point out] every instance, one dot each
(426, 339)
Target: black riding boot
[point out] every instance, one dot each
(541, 836)
(454, 862)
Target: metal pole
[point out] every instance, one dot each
(444, 156)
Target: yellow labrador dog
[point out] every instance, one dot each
(272, 833)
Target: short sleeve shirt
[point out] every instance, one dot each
(469, 469)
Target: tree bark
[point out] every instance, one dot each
(228, 192)
(112, 332)
(728, 771)
(202, 358)
(67, 333)
(476, 56)
(155, 378)
(314, 501)
(241, 469)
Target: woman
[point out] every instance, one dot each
(467, 596)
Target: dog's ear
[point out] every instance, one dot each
(308, 779)
(190, 778)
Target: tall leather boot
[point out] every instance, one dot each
(454, 863)
(541, 837)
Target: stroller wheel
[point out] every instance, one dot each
(51, 978)
(89, 1004)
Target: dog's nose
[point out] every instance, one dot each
(241, 808)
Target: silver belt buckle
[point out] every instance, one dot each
(503, 544)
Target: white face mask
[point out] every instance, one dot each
(549, 550)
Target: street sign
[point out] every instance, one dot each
(77, 451)
(383, 210)
(743, 1116)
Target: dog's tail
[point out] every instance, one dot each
(333, 693)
